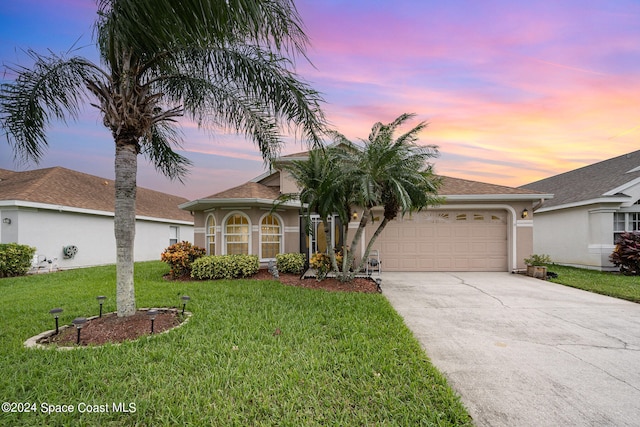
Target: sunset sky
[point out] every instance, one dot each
(513, 91)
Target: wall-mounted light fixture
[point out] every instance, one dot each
(525, 213)
(6, 220)
(354, 216)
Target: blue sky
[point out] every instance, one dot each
(513, 92)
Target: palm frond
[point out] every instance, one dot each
(157, 147)
(53, 89)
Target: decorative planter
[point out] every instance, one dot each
(537, 271)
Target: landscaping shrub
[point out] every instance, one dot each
(322, 263)
(180, 256)
(290, 263)
(626, 255)
(15, 259)
(224, 267)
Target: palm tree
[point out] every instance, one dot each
(220, 63)
(322, 184)
(393, 174)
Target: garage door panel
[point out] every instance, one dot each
(445, 241)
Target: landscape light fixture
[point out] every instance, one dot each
(152, 315)
(55, 312)
(525, 213)
(378, 284)
(185, 299)
(79, 323)
(101, 299)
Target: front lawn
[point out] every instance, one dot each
(612, 284)
(253, 353)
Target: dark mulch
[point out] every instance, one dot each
(112, 329)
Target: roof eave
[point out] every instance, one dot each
(203, 204)
(496, 197)
(600, 200)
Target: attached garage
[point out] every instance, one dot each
(446, 240)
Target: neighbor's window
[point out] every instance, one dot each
(174, 234)
(211, 235)
(270, 237)
(236, 235)
(625, 221)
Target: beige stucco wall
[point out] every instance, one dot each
(290, 220)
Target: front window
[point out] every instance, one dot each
(236, 235)
(211, 235)
(270, 237)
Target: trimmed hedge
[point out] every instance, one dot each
(290, 263)
(213, 267)
(15, 259)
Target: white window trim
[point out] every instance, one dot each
(224, 230)
(177, 234)
(279, 218)
(207, 234)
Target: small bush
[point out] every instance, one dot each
(15, 259)
(180, 256)
(290, 263)
(214, 267)
(626, 255)
(322, 263)
(536, 259)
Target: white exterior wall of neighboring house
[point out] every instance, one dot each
(580, 236)
(50, 228)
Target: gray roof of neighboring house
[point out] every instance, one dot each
(603, 180)
(64, 187)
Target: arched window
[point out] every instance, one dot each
(270, 237)
(236, 234)
(211, 235)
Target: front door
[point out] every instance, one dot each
(316, 241)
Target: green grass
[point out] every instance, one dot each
(341, 358)
(611, 284)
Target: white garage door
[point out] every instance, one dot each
(445, 241)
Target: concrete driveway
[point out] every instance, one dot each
(525, 352)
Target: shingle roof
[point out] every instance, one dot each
(457, 186)
(248, 190)
(64, 187)
(589, 182)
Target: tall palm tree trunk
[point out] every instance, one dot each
(126, 165)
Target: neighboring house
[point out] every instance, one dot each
(481, 227)
(68, 217)
(590, 208)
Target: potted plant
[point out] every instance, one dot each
(536, 265)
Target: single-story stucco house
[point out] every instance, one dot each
(68, 217)
(591, 206)
(481, 227)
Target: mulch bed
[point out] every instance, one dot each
(113, 329)
(359, 284)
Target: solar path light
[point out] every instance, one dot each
(185, 299)
(152, 315)
(79, 324)
(55, 312)
(101, 299)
